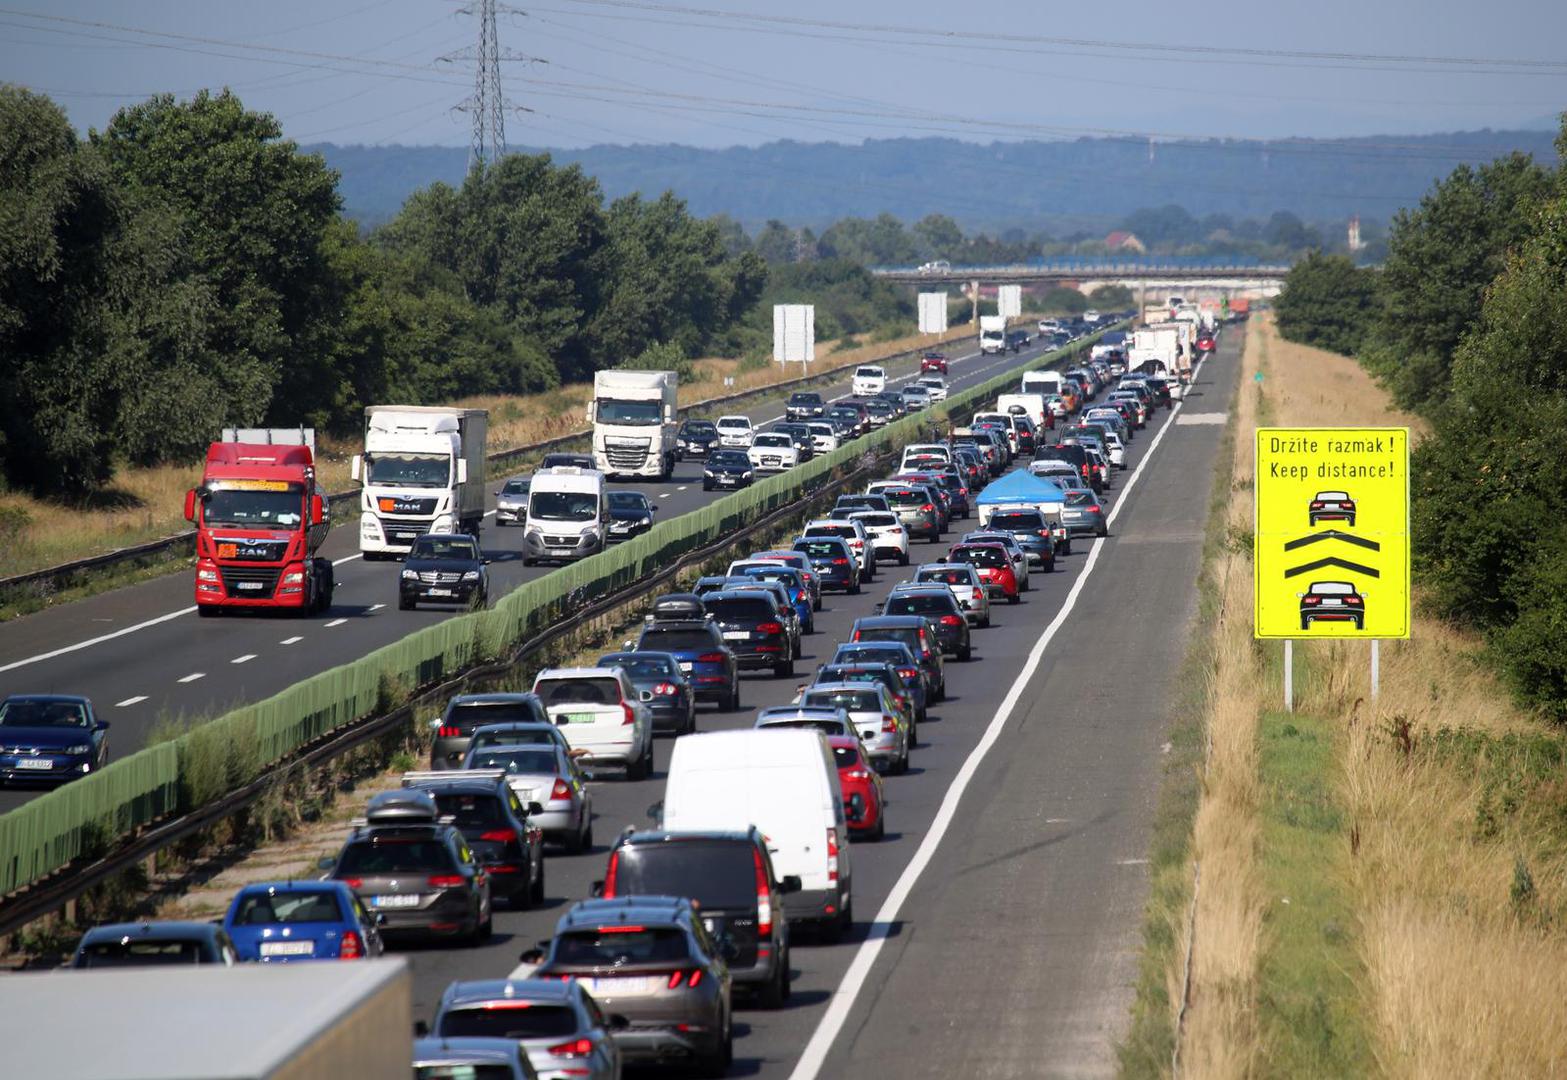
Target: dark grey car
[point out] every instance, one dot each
(465, 713)
(940, 608)
(559, 1025)
(659, 674)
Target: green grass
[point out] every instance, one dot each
(1312, 1011)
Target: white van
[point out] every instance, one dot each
(786, 784)
(1033, 406)
(1042, 382)
(568, 515)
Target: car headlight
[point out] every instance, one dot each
(79, 748)
(471, 575)
(294, 578)
(206, 575)
(746, 475)
(410, 575)
(646, 519)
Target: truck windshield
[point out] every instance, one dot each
(611, 411)
(409, 470)
(278, 509)
(563, 505)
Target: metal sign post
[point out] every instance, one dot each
(1289, 675)
(1376, 667)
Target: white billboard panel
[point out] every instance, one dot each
(933, 313)
(794, 333)
(1009, 300)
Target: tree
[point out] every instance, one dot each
(1326, 302)
(61, 291)
(938, 236)
(775, 243)
(1441, 256)
(1112, 298)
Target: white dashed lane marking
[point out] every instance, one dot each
(291, 640)
(336, 622)
(193, 676)
(128, 702)
(247, 658)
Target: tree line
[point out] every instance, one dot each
(1467, 325)
(187, 268)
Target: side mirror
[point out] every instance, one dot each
(485, 560)
(535, 808)
(101, 725)
(596, 889)
(655, 507)
(656, 811)
(421, 1029)
(790, 883)
(616, 1022)
(628, 646)
(317, 509)
(534, 955)
(380, 918)
(326, 862)
(190, 505)
(1300, 595)
(462, 470)
(355, 467)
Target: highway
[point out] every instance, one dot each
(141, 654)
(997, 924)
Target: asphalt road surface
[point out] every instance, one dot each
(996, 935)
(141, 654)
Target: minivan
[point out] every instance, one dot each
(784, 782)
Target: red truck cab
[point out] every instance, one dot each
(260, 517)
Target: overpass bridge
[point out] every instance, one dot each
(1073, 270)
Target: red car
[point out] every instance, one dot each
(863, 803)
(933, 362)
(1205, 343)
(994, 566)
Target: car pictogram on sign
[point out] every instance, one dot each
(1332, 506)
(1332, 601)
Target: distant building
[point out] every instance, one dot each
(1125, 241)
(1355, 243)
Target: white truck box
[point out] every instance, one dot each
(992, 333)
(634, 422)
(423, 471)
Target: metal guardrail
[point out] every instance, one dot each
(180, 545)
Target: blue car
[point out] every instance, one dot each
(283, 921)
(794, 583)
(50, 737)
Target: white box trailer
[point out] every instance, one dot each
(316, 1021)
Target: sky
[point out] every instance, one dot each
(715, 73)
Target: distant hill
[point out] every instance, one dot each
(1055, 186)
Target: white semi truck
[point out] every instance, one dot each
(634, 424)
(423, 472)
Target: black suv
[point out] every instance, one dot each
(937, 605)
(417, 871)
(915, 632)
(444, 568)
(752, 627)
(495, 823)
(695, 438)
(804, 405)
(1032, 531)
(834, 562)
(466, 713)
(704, 656)
(730, 876)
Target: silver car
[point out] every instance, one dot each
(828, 721)
(965, 584)
(548, 775)
(511, 501)
(493, 1059)
(558, 1024)
(883, 728)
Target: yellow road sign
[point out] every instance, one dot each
(1331, 551)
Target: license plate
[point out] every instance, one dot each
(687, 668)
(288, 948)
(709, 925)
(736, 635)
(34, 763)
(577, 718)
(1330, 506)
(632, 984)
(1332, 603)
(439, 592)
(397, 901)
(405, 537)
(247, 585)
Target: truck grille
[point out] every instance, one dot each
(250, 583)
(561, 541)
(626, 457)
(403, 532)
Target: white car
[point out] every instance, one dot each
(602, 716)
(935, 385)
(824, 437)
(889, 539)
(1049, 326)
(735, 432)
(851, 532)
(869, 381)
(917, 453)
(883, 730)
(773, 451)
(1116, 449)
(965, 583)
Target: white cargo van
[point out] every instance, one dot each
(1042, 382)
(568, 515)
(786, 784)
(1033, 406)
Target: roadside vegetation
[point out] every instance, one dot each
(1381, 886)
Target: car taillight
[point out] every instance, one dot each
(445, 881)
(909, 673)
(499, 836)
(666, 689)
(769, 628)
(951, 620)
(1351, 599)
(889, 724)
(840, 562)
(353, 882)
(764, 896)
(630, 714)
(678, 977)
(610, 873)
(559, 791)
(446, 731)
(351, 948)
(1044, 534)
(710, 658)
(832, 855)
(574, 1049)
(1308, 600)
(856, 774)
(927, 508)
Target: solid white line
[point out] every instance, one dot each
(130, 701)
(193, 677)
(97, 640)
(336, 622)
(347, 558)
(843, 998)
(291, 640)
(247, 658)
